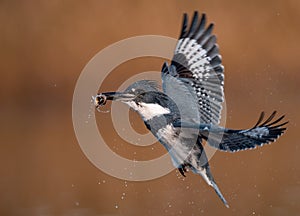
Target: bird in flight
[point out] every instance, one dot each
(187, 111)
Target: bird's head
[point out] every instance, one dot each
(142, 96)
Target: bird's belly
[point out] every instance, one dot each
(178, 148)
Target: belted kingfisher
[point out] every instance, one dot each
(187, 111)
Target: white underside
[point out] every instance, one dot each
(148, 111)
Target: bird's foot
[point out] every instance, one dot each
(182, 170)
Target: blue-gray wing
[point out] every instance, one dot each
(236, 140)
(197, 63)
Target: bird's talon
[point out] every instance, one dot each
(181, 170)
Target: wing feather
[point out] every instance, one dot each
(235, 140)
(197, 60)
(260, 134)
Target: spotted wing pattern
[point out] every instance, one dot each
(197, 62)
(258, 135)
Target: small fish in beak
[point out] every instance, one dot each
(100, 99)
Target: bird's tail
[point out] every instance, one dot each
(215, 186)
(206, 174)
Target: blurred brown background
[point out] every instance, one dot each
(46, 44)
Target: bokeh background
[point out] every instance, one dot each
(46, 44)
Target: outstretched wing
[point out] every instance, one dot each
(260, 134)
(235, 140)
(197, 62)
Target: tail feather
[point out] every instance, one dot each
(215, 186)
(206, 174)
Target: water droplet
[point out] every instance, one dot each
(103, 181)
(77, 203)
(116, 206)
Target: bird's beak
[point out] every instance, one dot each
(100, 99)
